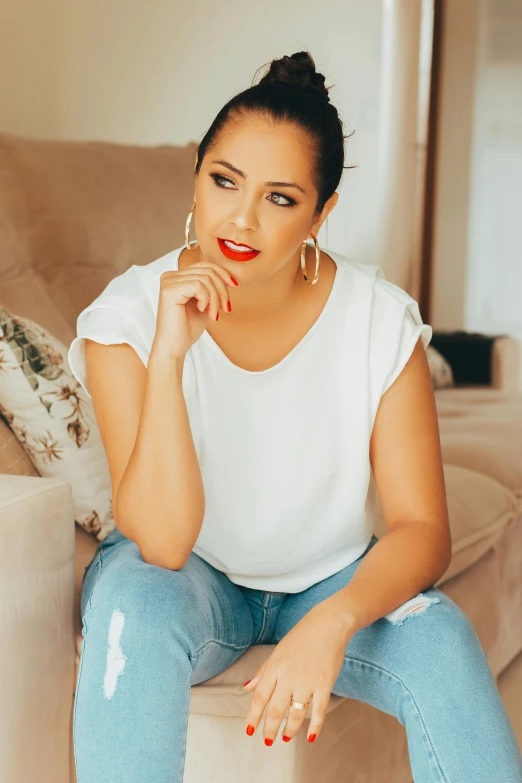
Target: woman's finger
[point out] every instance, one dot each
(277, 707)
(206, 294)
(219, 276)
(321, 700)
(260, 698)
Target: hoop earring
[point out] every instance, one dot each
(187, 228)
(317, 260)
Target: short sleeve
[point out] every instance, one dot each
(107, 326)
(396, 326)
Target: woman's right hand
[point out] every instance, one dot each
(184, 297)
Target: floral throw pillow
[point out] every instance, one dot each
(53, 419)
(440, 371)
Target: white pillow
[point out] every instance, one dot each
(440, 371)
(53, 418)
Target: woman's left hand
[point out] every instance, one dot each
(305, 663)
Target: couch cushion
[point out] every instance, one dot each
(80, 213)
(26, 294)
(481, 429)
(480, 509)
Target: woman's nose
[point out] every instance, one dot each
(245, 217)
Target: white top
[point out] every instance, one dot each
(283, 452)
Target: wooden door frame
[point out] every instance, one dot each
(428, 218)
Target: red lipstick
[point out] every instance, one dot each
(237, 255)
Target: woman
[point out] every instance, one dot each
(241, 453)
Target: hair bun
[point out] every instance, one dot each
(297, 70)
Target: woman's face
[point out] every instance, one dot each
(235, 200)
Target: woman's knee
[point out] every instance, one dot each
(450, 622)
(444, 639)
(139, 612)
(457, 639)
(121, 581)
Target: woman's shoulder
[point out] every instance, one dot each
(356, 272)
(386, 296)
(393, 308)
(124, 312)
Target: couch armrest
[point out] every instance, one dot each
(36, 629)
(480, 360)
(506, 367)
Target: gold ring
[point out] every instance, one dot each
(299, 705)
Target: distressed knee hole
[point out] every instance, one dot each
(115, 657)
(414, 606)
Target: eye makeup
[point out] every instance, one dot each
(217, 177)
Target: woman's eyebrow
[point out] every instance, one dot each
(269, 184)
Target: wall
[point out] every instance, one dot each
(494, 268)
(477, 280)
(149, 71)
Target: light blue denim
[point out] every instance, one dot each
(150, 633)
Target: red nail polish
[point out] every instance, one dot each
(229, 307)
(250, 730)
(234, 281)
(312, 737)
(268, 742)
(286, 739)
(246, 683)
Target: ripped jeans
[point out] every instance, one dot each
(151, 633)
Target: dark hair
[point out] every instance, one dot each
(292, 91)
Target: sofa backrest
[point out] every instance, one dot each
(75, 214)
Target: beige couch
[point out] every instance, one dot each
(72, 216)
